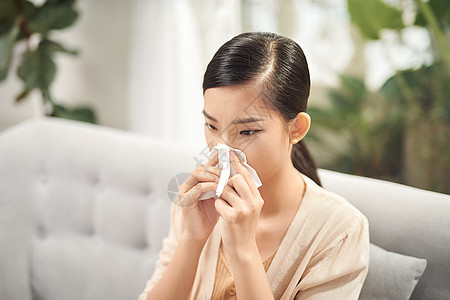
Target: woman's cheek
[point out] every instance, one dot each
(257, 159)
(262, 167)
(267, 162)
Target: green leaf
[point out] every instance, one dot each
(429, 85)
(354, 86)
(6, 50)
(441, 9)
(52, 47)
(370, 16)
(53, 15)
(37, 69)
(341, 103)
(7, 9)
(326, 118)
(80, 113)
(8, 13)
(61, 1)
(10, 10)
(28, 9)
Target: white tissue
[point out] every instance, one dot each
(228, 170)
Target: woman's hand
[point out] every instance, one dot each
(239, 206)
(199, 217)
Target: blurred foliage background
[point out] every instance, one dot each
(402, 131)
(26, 25)
(399, 132)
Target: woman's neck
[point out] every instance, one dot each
(282, 191)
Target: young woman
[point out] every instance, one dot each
(287, 239)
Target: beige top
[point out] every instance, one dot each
(224, 281)
(323, 255)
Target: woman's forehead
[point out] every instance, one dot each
(237, 100)
(257, 111)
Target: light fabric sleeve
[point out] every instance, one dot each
(167, 251)
(338, 271)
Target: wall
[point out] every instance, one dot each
(97, 77)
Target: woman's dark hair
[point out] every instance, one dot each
(279, 64)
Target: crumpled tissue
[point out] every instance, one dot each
(228, 170)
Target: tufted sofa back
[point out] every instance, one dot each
(83, 209)
(404, 220)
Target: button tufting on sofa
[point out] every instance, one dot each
(91, 231)
(43, 177)
(95, 180)
(41, 232)
(84, 210)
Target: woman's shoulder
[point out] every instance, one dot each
(331, 212)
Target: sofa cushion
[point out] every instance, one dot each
(391, 275)
(404, 220)
(83, 209)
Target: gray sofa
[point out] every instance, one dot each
(84, 209)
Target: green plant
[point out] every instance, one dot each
(367, 127)
(24, 24)
(422, 93)
(373, 16)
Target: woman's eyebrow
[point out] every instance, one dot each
(209, 116)
(246, 120)
(235, 121)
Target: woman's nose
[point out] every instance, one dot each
(229, 137)
(222, 141)
(214, 142)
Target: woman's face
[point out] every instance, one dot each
(238, 117)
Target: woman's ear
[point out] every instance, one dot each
(299, 127)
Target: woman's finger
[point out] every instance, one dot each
(223, 209)
(191, 197)
(231, 196)
(241, 169)
(239, 187)
(214, 159)
(202, 173)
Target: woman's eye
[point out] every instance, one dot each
(249, 132)
(244, 132)
(210, 126)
